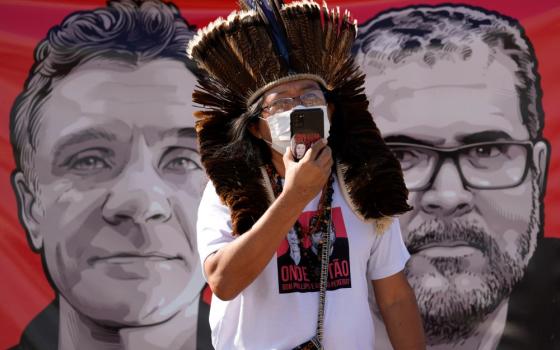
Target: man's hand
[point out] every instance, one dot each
(306, 178)
(236, 265)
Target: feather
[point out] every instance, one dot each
(267, 41)
(269, 12)
(247, 4)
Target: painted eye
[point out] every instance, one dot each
(409, 157)
(179, 160)
(89, 163)
(489, 151)
(181, 164)
(404, 155)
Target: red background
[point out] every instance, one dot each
(25, 290)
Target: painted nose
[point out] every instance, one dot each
(140, 197)
(447, 196)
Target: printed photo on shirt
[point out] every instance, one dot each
(299, 261)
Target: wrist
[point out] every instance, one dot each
(295, 199)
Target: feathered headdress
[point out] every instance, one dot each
(267, 43)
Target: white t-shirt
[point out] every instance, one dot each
(279, 309)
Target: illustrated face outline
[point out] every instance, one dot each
(119, 179)
(469, 247)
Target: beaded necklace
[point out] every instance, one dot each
(318, 223)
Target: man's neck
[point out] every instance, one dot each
(486, 336)
(79, 332)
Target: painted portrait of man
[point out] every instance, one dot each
(100, 169)
(456, 93)
(108, 179)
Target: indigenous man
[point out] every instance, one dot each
(263, 63)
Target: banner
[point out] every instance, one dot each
(101, 177)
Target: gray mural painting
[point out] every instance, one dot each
(108, 179)
(456, 92)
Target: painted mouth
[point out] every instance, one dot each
(445, 249)
(130, 258)
(448, 251)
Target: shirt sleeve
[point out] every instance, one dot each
(213, 226)
(388, 254)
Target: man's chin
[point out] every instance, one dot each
(124, 303)
(453, 306)
(137, 316)
(138, 311)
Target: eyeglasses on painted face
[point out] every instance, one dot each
(484, 165)
(312, 98)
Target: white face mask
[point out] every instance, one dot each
(279, 125)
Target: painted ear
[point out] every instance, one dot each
(541, 157)
(28, 209)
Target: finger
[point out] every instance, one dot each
(314, 151)
(325, 157)
(326, 167)
(288, 156)
(327, 162)
(329, 165)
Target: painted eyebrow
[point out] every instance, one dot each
(407, 139)
(83, 136)
(179, 132)
(484, 136)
